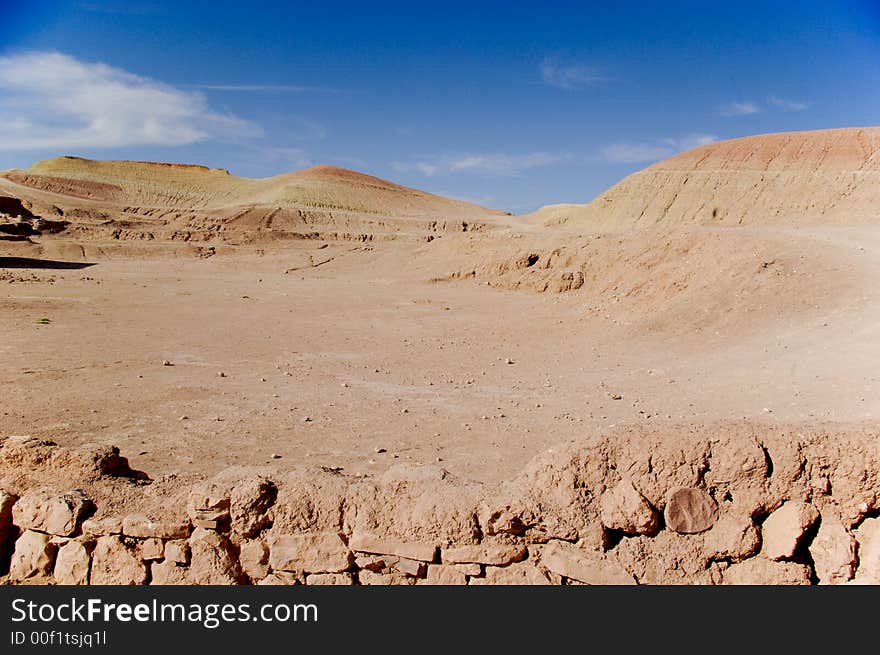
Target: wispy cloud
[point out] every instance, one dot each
(495, 164)
(569, 76)
(744, 108)
(641, 152)
(262, 88)
(788, 105)
(49, 100)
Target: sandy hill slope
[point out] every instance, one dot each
(149, 200)
(817, 177)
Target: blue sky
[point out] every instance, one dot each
(513, 105)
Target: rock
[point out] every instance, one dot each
(445, 575)
(410, 567)
(624, 508)
(6, 503)
(101, 527)
(762, 571)
(141, 527)
(72, 564)
(250, 500)
(152, 549)
(321, 552)
(523, 573)
(330, 579)
(470, 569)
(367, 543)
(732, 538)
(583, 565)
(784, 529)
(500, 522)
(281, 578)
(254, 558)
(375, 563)
(33, 556)
(177, 551)
(208, 499)
(833, 551)
(114, 564)
(211, 560)
(46, 511)
(375, 579)
(167, 573)
(868, 538)
(689, 510)
(484, 554)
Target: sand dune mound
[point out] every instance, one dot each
(823, 176)
(158, 201)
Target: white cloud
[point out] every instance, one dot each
(569, 76)
(637, 153)
(744, 108)
(788, 105)
(486, 164)
(52, 101)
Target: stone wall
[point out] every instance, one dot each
(786, 509)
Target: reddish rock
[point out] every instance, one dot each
(444, 575)
(138, 525)
(690, 510)
(254, 558)
(523, 573)
(762, 571)
(46, 511)
(833, 551)
(211, 560)
(584, 566)
(329, 579)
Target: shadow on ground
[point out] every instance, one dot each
(28, 262)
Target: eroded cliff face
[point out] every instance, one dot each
(672, 508)
(796, 178)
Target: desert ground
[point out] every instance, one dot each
(329, 321)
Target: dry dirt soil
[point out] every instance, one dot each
(281, 328)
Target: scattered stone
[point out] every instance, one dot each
(275, 456)
(583, 565)
(330, 579)
(72, 564)
(508, 361)
(833, 551)
(484, 554)
(166, 362)
(690, 510)
(141, 527)
(784, 529)
(45, 511)
(367, 543)
(762, 571)
(221, 374)
(379, 450)
(114, 564)
(33, 556)
(321, 552)
(624, 508)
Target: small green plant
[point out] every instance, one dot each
(44, 321)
